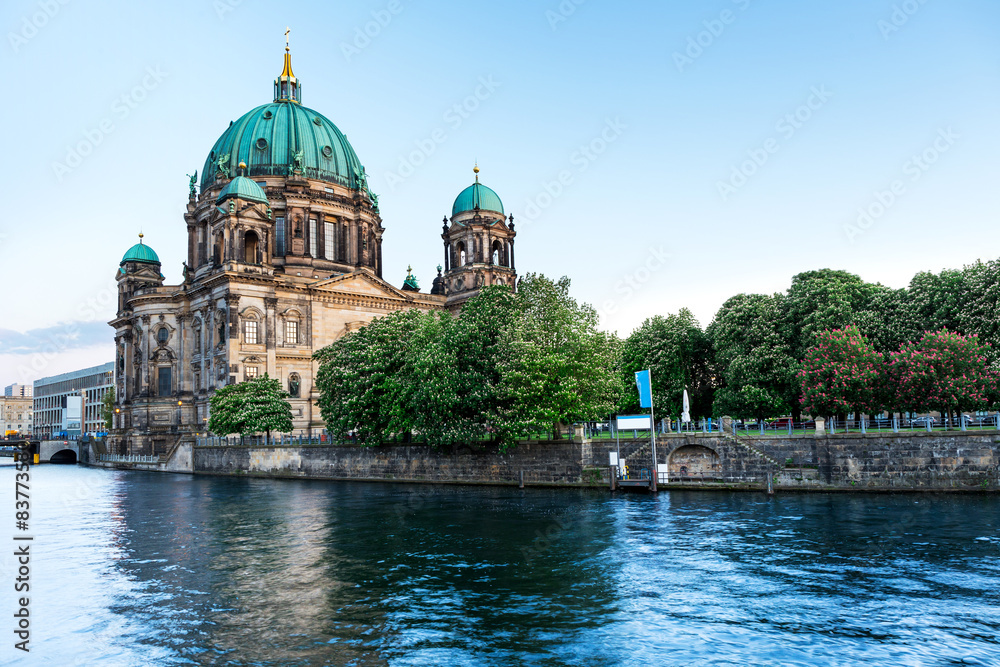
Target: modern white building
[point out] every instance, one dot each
(63, 401)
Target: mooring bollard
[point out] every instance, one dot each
(521, 485)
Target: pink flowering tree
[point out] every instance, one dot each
(943, 371)
(841, 373)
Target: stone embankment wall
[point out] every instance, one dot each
(915, 461)
(551, 463)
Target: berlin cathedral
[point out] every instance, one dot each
(284, 256)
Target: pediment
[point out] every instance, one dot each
(361, 283)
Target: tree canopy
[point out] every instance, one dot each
(678, 354)
(841, 373)
(253, 406)
(510, 365)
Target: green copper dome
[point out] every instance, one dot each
(476, 196)
(242, 187)
(276, 138)
(140, 252)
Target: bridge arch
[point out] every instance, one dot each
(63, 456)
(693, 461)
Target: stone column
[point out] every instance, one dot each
(234, 338)
(270, 321)
(146, 381)
(182, 361)
(206, 345)
(321, 235)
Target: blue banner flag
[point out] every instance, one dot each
(645, 386)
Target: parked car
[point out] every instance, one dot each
(780, 422)
(988, 420)
(923, 421)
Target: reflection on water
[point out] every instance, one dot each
(140, 568)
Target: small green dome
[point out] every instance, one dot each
(140, 252)
(275, 138)
(242, 187)
(476, 196)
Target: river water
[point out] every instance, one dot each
(132, 568)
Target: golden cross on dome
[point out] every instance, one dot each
(287, 30)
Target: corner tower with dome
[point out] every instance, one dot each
(284, 256)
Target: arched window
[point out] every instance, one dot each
(294, 385)
(461, 254)
(250, 245)
(162, 335)
(250, 332)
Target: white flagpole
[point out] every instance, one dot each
(652, 429)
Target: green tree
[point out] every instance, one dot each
(753, 356)
(884, 318)
(253, 406)
(362, 381)
(943, 371)
(980, 310)
(678, 354)
(842, 373)
(935, 301)
(555, 366)
(820, 301)
(108, 409)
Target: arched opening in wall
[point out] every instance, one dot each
(693, 461)
(250, 247)
(294, 386)
(497, 253)
(63, 456)
(461, 253)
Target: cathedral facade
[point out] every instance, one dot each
(284, 256)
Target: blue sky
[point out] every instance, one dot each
(661, 154)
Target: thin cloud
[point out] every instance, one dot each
(61, 337)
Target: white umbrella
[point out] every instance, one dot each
(686, 413)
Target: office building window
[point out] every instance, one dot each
(292, 333)
(250, 332)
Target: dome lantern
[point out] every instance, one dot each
(287, 88)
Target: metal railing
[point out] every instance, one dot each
(126, 458)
